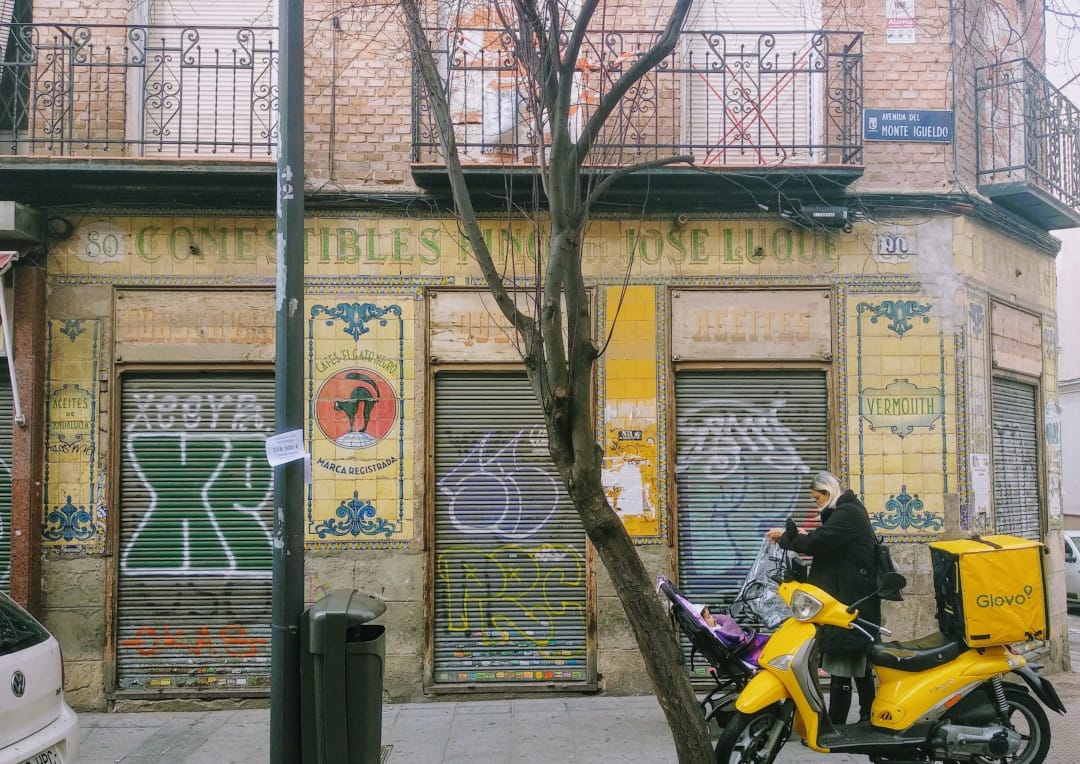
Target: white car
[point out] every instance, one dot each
(37, 726)
(1072, 569)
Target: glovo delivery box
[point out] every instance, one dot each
(991, 589)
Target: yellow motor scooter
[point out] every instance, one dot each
(937, 699)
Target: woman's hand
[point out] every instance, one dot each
(774, 534)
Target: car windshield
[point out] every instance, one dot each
(17, 630)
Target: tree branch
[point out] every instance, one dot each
(642, 66)
(424, 59)
(621, 172)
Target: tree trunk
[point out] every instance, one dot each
(658, 644)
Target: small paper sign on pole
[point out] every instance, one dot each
(285, 447)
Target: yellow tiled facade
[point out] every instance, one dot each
(896, 330)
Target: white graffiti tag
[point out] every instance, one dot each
(496, 490)
(201, 502)
(237, 413)
(721, 435)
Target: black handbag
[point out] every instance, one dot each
(883, 564)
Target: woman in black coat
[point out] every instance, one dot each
(842, 548)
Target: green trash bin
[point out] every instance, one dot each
(341, 678)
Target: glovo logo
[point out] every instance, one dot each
(999, 600)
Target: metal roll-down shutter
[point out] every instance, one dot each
(196, 498)
(1016, 459)
(747, 446)
(7, 417)
(510, 567)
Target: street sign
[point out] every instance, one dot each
(917, 125)
(7, 257)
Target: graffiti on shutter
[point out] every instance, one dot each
(196, 526)
(510, 576)
(747, 445)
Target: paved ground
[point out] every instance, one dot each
(551, 730)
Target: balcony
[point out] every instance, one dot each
(755, 110)
(93, 111)
(1028, 144)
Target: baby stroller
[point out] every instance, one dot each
(758, 602)
(730, 649)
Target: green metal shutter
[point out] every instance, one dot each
(196, 499)
(1016, 459)
(7, 407)
(747, 446)
(510, 575)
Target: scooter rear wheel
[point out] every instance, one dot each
(745, 738)
(1028, 718)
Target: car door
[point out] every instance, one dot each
(1072, 570)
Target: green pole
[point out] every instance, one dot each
(288, 542)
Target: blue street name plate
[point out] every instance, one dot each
(907, 125)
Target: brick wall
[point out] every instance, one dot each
(359, 101)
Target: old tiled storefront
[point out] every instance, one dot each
(812, 292)
(744, 356)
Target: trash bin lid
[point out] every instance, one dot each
(345, 608)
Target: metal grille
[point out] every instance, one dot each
(1027, 131)
(747, 445)
(1016, 459)
(196, 498)
(510, 578)
(753, 98)
(6, 419)
(196, 90)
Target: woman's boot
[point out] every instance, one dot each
(839, 699)
(867, 691)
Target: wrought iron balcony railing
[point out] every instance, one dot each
(138, 91)
(1028, 144)
(742, 99)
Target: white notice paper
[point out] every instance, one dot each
(285, 447)
(979, 474)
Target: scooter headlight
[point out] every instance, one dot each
(804, 606)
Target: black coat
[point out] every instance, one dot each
(842, 548)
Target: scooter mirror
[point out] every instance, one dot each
(894, 581)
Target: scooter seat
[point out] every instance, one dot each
(917, 654)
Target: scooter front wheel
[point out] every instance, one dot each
(753, 738)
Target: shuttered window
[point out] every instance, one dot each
(6, 419)
(510, 575)
(749, 98)
(1016, 459)
(209, 78)
(747, 446)
(196, 497)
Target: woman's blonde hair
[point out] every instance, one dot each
(828, 483)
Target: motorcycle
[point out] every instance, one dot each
(937, 699)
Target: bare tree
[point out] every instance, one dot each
(557, 343)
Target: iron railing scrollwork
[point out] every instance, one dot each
(1027, 131)
(122, 90)
(791, 98)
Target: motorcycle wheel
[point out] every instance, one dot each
(744, 738)
(1027, 717)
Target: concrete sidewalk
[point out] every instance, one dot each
(548, 730)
